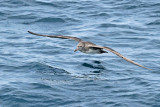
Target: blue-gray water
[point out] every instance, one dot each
(45, 72)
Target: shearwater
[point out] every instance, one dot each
(89, 47)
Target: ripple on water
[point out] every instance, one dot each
(51, 20)
(44, 68)
(47, 3)
(156, 22)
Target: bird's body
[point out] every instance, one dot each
(93, 51)
(89, 47)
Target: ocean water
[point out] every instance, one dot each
(46, 72)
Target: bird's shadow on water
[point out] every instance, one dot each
(91, 70)
(95, 65)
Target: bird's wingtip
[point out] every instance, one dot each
(31, 32)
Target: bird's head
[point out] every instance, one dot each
(79, 47)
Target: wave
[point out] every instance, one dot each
(156, 22)
(54, 20)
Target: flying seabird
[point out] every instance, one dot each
(89, 47)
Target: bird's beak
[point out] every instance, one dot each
(75, 50)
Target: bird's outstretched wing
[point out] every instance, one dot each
(58, 36)
(118, 54)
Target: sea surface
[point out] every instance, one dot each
(46, 72)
